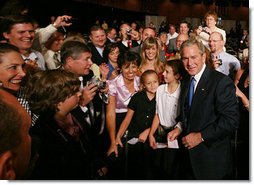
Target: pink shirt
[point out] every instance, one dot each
(118, 89)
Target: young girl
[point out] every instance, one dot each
(150, 56)
(138, 120)
(167, 110)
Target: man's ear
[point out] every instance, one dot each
(7, 171)
(6, 35)
(69, 61)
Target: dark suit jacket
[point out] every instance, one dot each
(96, 57)
(60, 156)
(172, 46)
(214, 113)
(123, 48)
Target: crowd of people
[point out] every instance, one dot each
(131, 103)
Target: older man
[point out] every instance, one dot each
(209, 113)
(222, 61)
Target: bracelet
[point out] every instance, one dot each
(54, 24)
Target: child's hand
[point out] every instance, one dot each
(152, 141)
(172, 135)
(143, 136)
(119, 142)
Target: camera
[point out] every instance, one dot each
(71, 20)
(204, 29)
(96, 81)
(128, 30)
(216, 58)
(68, 20)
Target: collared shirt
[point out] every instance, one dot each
(100, 50)
(125, 43)
(52, 59)
(167, 106)
(118, 89)
(111, 40)
(198, 76)
(229, 63)
(144, 110)
(36, 56)
(171, 37)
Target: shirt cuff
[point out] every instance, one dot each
(179, 125)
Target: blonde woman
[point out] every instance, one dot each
(150, 57)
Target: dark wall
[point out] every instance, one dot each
(86, 13)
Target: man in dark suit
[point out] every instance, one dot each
(208, 120)
(76, 58)
(111, 35)
(98, 37)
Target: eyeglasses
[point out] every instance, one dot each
(210, 19)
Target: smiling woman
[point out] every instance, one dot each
(11, 67)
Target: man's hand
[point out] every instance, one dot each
(62, 21)
(191, 140)
(88, 94)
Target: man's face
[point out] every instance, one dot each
(215, 43)
(193, 60)
(148, 32)
(112, 34)
(172, 30)
(98, 38)
(21, 35)
(80, 66)
(124, 30)
(180, 39)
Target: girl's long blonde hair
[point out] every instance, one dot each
(149, 43)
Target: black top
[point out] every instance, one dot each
(144, 112)
(60, 156)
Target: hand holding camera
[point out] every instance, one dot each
(88, 93)
(203, 29)
(99, 84)
(216, 60)
(128, 31)
(63, 20)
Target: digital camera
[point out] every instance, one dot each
(96, 81)
(216, 58)
(128, 30)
